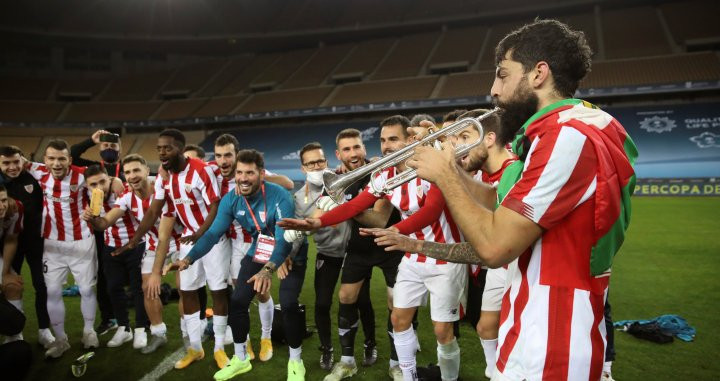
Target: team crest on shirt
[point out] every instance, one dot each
(420, 191)
(29, 188)
(73, 188)
(188, 188)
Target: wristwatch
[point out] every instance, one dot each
(268, 269)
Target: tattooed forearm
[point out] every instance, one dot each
(452, 252)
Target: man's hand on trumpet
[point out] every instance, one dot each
(432, 164)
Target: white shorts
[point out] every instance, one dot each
(212, 268)
(494, 289)
(239, 250)
(148, 260)
(78, 257)
(446, 284)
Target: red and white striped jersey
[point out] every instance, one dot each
(227, 185)
(119, 233)
(64, 202)
(191, 191)
(554, 306)
(408, 199)
(137, 207)
(12, 223)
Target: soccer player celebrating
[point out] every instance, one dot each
(136, 203)
(226, 148)
(563, 220)
(69, 242)
(258, 209)
(192, 189)
(118, 268)
(422, 208)
(22, 187)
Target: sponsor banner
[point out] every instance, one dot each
(678, 187)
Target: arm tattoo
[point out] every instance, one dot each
(452, 252)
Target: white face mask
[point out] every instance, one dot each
(315, 178)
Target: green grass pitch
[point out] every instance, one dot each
(668, 264)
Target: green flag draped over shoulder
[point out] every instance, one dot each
(616, 154)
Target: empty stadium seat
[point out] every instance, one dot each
(30, 111)
(408, 56)
(110, 111)
(241, 81)
(142, 87)
(692, 20)
(219, 106)
(467, 84)
(654, 70)
(365, 57)
(178, 109)
(286, 99)
(285, 66)
(35, 89)
(318, 67)
(384, 91)
(633, 32)
(193, 77)
(226, 75)
(71, 87)
(459, 45)
(27, 144)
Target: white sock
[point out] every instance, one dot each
(350, 360)
(18, 304)
(490, 349)
(406, 346)
(183, 326)
(241, 350)
(607, 367)
(219, 328)
(88, 306)
(56, 311)
(194, 330)
(295, 353)
(449, 360)
(158, 330)
(266, 311)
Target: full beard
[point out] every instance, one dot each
(515, 112)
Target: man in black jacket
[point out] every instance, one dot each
(23, 187)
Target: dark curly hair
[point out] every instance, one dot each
(566, 51)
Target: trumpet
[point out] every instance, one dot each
(336, 185)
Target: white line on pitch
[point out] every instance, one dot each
(164, 366)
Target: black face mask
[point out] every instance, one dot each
(109, 155)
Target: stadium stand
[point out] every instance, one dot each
(141, 87)
(497, 32)
(285, 99)
(383, 91)
(31, 89)
(80, 88)
(317, 69)
(28, 144)
(220, 106)
(287, 64)
(654, 70)
(88, 112)
(457, 46)
(364, 58)
(466, 84)
(703, 14)
(633, 32)
(193, 77)
(178, 109)
(258, 65)
(232, 69)
(29, 111)
(407, 57)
